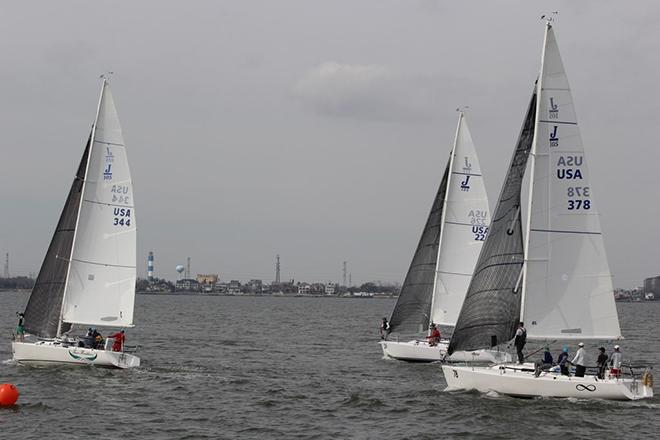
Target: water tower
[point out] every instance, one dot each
(180, 269)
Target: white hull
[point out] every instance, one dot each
(420, 351)
(47, 352)
(504, 379)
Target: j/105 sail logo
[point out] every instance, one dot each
(109, 158)
(554, 140)
(467, 168)
(553, 111)
(465, 185)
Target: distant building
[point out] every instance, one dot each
(207, 278)
(254, 286)
(304, 289)
(187, 285)
(317, 288)
(652, 285)
(330, 288)
(234, 287)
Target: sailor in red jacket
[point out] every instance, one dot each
(118, 344)
(434, 337)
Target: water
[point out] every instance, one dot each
(243, 367)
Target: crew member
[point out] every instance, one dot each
(578, 361)
(434, 336)
(562, 360)
(601, 362)
(98, 339)
(384, 329)
(20, 330)
(615, 361)
(119, 339)
(520, 341)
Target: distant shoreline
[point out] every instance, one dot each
(285, 295)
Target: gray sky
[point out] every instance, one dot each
(316, 130)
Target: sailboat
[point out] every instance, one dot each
(88, 275)
(555, 277)
(440, 271)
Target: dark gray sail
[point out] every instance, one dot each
(42, 312)
(413, 307)
(491, 309)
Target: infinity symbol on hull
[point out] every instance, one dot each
(590, 388)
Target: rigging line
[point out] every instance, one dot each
(108, 204)
(109, 143)
(462, 224)
(102, 264)
(566, 232)
(465, 174)
(558, 122)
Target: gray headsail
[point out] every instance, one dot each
(491, 308)
(42, 312)
(411, 312)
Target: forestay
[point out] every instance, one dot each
(464, 228)
(568, 287)
(491, 308)
(100, 288)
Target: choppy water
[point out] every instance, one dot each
(243, 367)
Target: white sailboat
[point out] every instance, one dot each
(88, 275)
(442, 266)
(557, 280)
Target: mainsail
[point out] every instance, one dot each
(568, 287)
(100, 288)
(465, 220)
(42, 312)
(411, 312)
(491, 308)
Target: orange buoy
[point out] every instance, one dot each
(8, 394)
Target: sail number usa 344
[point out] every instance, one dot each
(122, 217)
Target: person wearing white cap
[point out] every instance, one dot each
(615, 361)
(578, 361)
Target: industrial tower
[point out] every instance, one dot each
(344, 275)
(188, 269)
(7, 265)
(277, 270)
(150, 266)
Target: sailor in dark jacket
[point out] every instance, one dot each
(520, 341)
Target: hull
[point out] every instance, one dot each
(48, 352)
(420, 351)
(512, 381)
(414, 351)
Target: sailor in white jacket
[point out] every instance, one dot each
(578, 361)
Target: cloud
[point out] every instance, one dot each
(370, 92)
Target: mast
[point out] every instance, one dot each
(82, 191)
(532, 167)
(452, 155)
